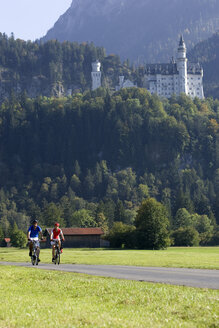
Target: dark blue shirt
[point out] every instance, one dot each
(34, 232)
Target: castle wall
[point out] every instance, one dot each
(167, 85)
(195, 86)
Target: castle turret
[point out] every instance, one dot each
(182, 66)
(96, 75)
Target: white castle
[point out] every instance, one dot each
(96, 75)
(175, 77)
(165, 80)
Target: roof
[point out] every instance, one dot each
(193, 68)
(163, 69)
(171, 68)
(7, 240)
(181, 42)
(80, 231)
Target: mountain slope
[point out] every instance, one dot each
(146, 29)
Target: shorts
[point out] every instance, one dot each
(35, 241)
(54, 241)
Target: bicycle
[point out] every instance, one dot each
(57, 253)
(34, 256)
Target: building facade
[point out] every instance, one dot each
(124, 83)
(175, 77)
(79, 237)
(96, 75)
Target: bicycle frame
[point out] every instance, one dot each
(34, 257)
(57, 253)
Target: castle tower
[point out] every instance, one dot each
(182, 66)
(96, 75)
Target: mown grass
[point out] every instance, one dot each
(30, 297)
(200, 257)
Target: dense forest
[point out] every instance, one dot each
(92, 158)
(54, 68)
(60, 69)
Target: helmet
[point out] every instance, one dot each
(35, 221)
(57, 224)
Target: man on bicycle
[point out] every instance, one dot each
(33, 234)
(55, 238)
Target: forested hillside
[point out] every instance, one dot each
(90, 159)
(53, 68)
(207, 53)
(58, 69)
(142, 30)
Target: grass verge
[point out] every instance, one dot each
(30, 297)
(193, 257)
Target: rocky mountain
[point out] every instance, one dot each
(142, 30)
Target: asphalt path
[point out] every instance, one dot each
(174, 276)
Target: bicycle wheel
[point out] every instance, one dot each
(33, 259)
(55, 261)
(58, 258)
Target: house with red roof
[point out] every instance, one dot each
(79, 237)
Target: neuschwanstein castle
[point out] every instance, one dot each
(164, 79)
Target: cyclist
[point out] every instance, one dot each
(33, 234)
(54, 236)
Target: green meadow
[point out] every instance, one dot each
(30, 297)
(188, 257)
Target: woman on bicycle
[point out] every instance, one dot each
(55, 238)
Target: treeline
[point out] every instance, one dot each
(59, 69)
(91, 159)
(53, 68)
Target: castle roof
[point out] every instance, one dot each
(163, 69)
(194, 68)
(171, 69)
(181, 41)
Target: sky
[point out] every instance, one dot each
(30, 19)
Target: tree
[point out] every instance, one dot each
(102, 222)
(185, 237)
(19, 239)
(75, 183)
(52, 214)
(82, 219)
(119, 214)
(203, 225)
(152, 225)
(121, 235)
(182, 218)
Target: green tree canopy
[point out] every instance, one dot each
(152, 225)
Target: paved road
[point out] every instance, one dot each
(174, 276)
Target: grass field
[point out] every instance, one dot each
(190, 257)
(36, 298)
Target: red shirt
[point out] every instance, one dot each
(55, 234)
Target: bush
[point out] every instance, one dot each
(121, 235)
(185, 237)
(19, 239)
(151, 225)
(215, 239)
